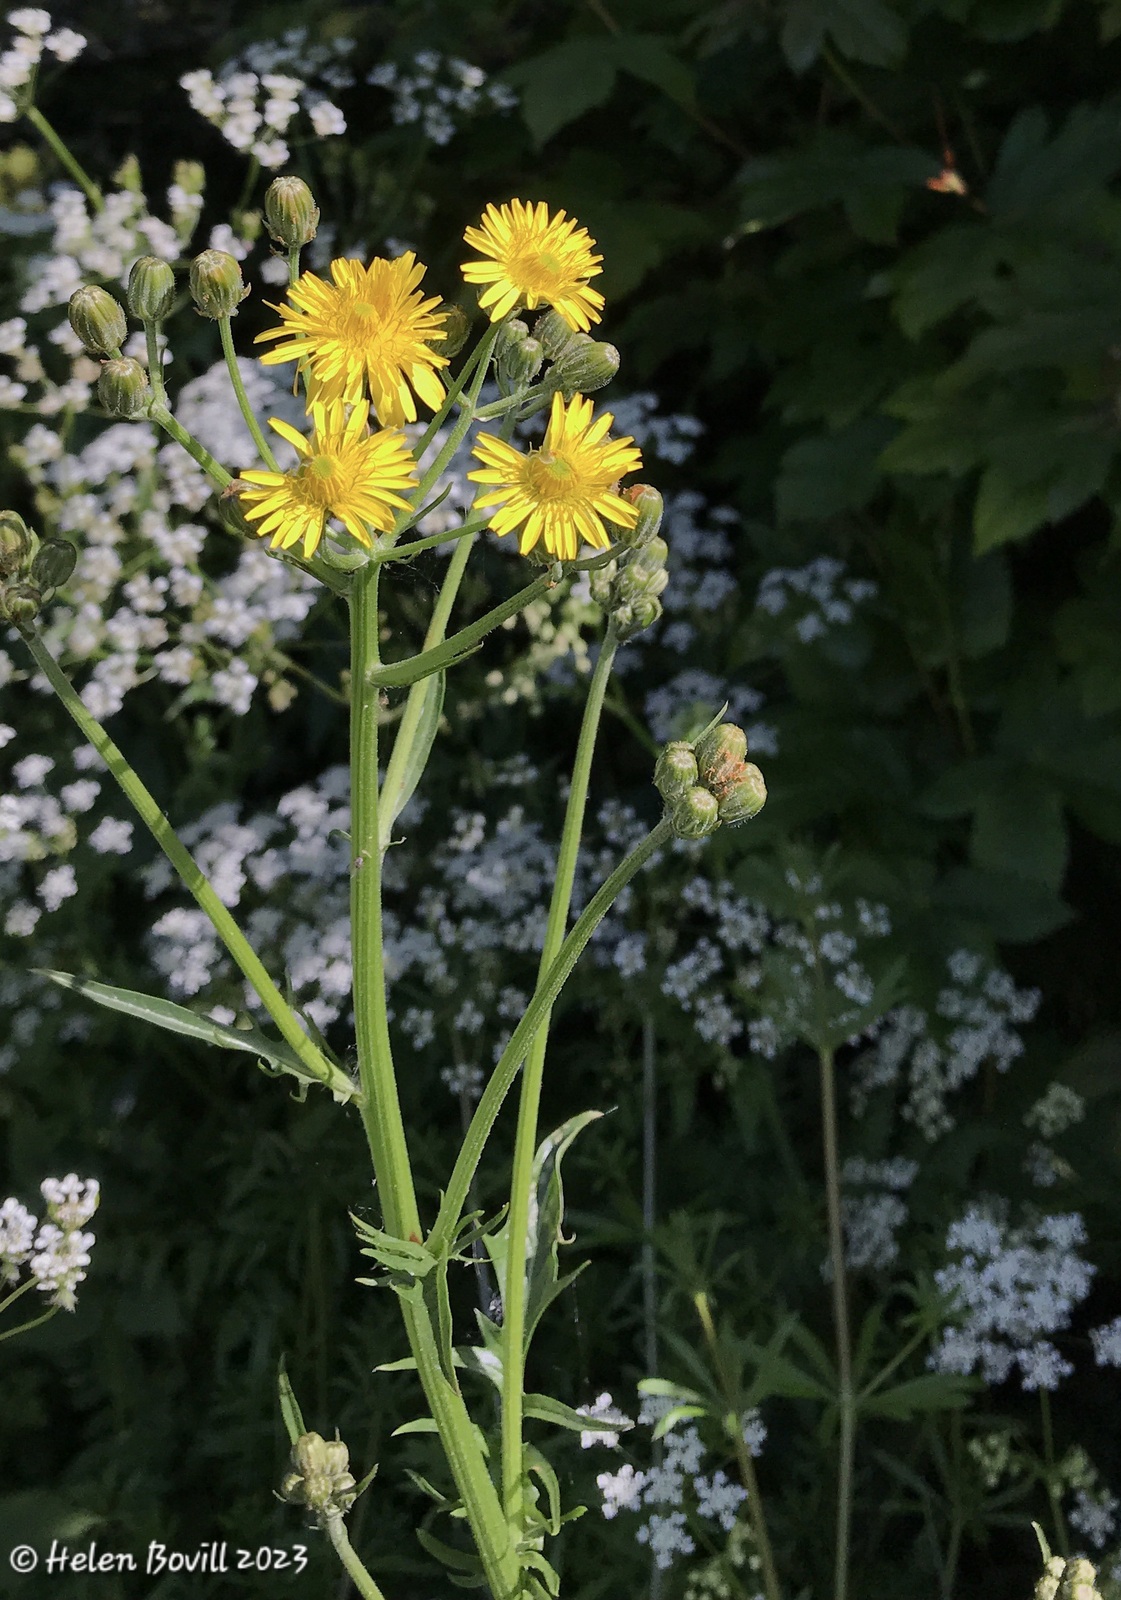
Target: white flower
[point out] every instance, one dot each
(327, 119)
(603, 1410)
(66, 44)
(30, 20)
(112, 836)
(71, 1201)
(17, 1235)
(620, 1490)
(59, 1262)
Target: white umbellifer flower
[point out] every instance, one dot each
(17, 1236)
(59, 1263)
(65, 44)
(603, 1409)
(71, 1201)
(1107, 1344)
(57, 885)
(620, 1491)
(30, 20)
(1013, 1288)
(327, 119)
(112, 836)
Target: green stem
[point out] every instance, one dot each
(92, 193)
(25, 1327)
(1054, 1499)
(155, 365)
(10, 1300)
(414, 705)
(502, 1078)
(405, 552)
(476, 364)
(214, 470)
(381, 1105)
(361, 1579)
(744, 1458)
(239, 948)
(293, 265)
(225, 332)
(525, 1142)
(846, 1397)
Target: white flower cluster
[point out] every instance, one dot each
(253, 99)
(53, 1253)
(440, 93)
(700, 551)
(1012, 1288)
(819, 593)
(672, 438)
(675, 1489)
(680, 708)
(34, 34)
(873, 1211)
(975, 1018)
(603, 1409)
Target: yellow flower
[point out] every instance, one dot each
(370, 329)
(344, 472)
(535, 258)
(563, 492)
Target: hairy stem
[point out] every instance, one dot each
(264, 448)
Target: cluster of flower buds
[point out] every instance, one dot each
(1067, 1580)
(709, 782)
(320, 1478)
(577, 364)
(628, 587)
(31, 569)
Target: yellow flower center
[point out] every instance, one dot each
(549, 476)
(316, 481)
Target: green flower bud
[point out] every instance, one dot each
(651, 556)
(635, 616)
(457, 328)
(230, 514)
(151, 289)
(554, 334)
(650, 508)
(54, 561)
(720, 751)
(600, 580)
(676, 771)
(509, 334)
(695, 814)
(21, 603)
(321, 1478)
(16, 543)
(584, 367)
(123, 388)
(291, 214)
(216, 284)
(1078, 1581)
(520, 363)
(634, 584)
(744, 796)
(1048, 1586)
(98, 320)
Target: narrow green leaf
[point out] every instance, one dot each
(545, 1409)
(289, 1405)
(431, 690)
(179, 1019)
(464, 1561)
(417, 1425)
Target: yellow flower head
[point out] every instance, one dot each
(563, 492)
(344, 472)
(369, 330)
(535, 259)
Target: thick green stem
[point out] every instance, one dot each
(361, 1579)
(502, 1078)
(744, 1460)
(81, 177)
(214, 470)
(525, 1143)
(846, 1396)
(381, 1105)
(241, 951)
(265, 450)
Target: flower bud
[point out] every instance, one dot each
(719, 751)
(1078, 1581)
(651, 556)
(744, 796)
(650, 507)
(151, 289)
(230, 514)
(554, 335)
(457, 328)
(633, 582)
(509, 334)
(123, 388)
(216, 284)
(1048, 1586)
(600, 580)
(520, 363)
(54, 561)
(584, 367)
(635, 616)
(695, 814)
(676, 771)
(21, 603)
(291, 214)
(98, 320)
(321, 1478)
(16, 543)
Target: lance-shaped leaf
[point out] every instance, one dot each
(546, 1409)
(180, 1019)
(403, 776)
(395, 1255)
(289, 1405)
